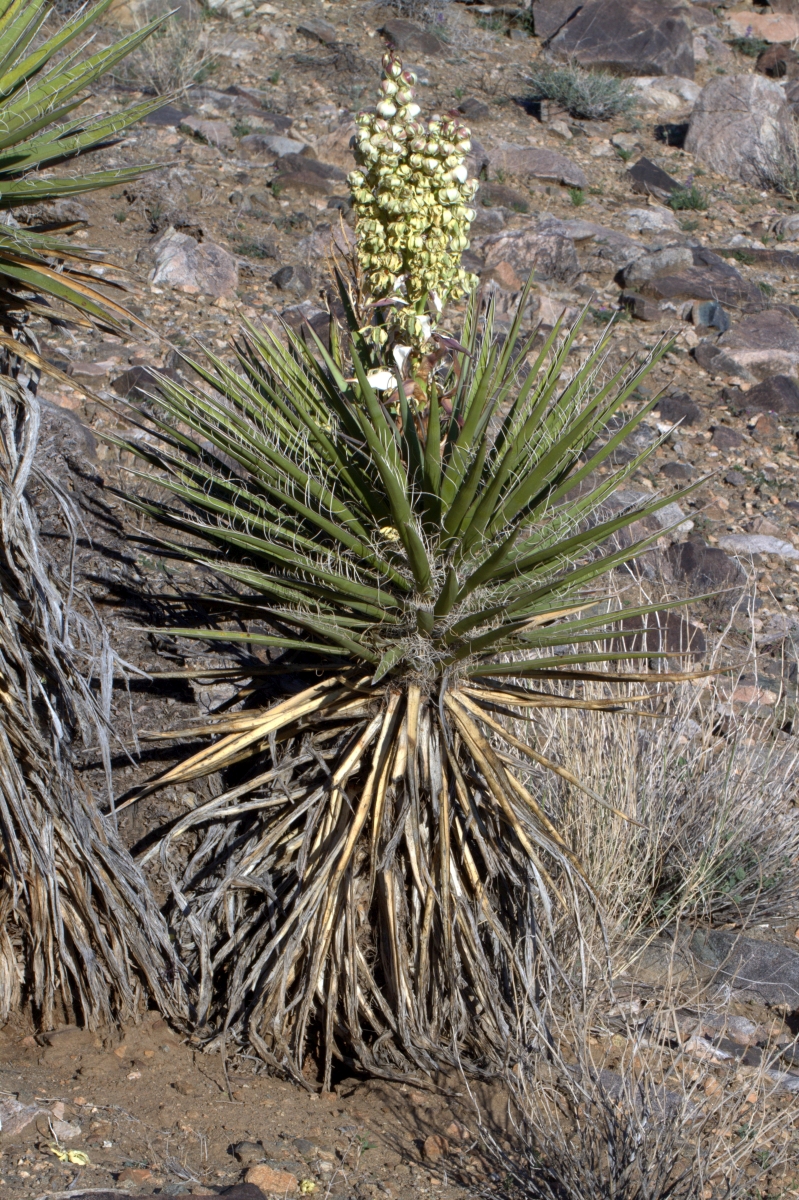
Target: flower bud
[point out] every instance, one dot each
(386, 108)
(388, 87)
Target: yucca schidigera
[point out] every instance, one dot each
(412, 203)
(377, 879)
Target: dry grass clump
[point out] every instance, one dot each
(713, 791)
(590, 95)
(81, 937)
(174, 59)
(599, 1115)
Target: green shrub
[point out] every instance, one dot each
(688, 198)
(592, 95)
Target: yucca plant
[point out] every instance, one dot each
(41, 81)
(81, 936)
(376, 880)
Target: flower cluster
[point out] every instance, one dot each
(411, 197)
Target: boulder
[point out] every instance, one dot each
(551, 15)
(536, 162)
(769, 27)
(702, 568)
(628, 37)
(651, 220)
(758, 543)
(710, 278)
(337, 146)
(667, 261)
(761, 345)
(215, 133)
(183, 263)
(549, 254)
(768, 970)
(738, 125)
(317, 30)
(776, 393)
(405, 36)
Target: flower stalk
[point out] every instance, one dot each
(412, 201)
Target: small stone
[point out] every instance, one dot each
(248, 1153)
(651, 220)
(725, 438)
(625, 141)
(712, 1086)
(499, 194)
(272, 1181)
(183, 263)
(435, 1147)
(65, 1131)
(270, 144)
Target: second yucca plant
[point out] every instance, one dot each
(377, 879)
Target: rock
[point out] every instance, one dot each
(297, 280)
(776, 393)
(166, 117)
(768, 969)
(561, 130)
(90, 372)
(628, 37)
(760, 345)
(215, 133)
(725, 438)
(735, 479)
(549, 254)
(738, 126)
(488, 220)
(136, 383)
(435, 1146)
(758, 543)
(318, 31)
(404, 36)
(271, 1181)
(707, 569)
(477, 160)
(65, 1131)
(538, 163)
(650, 180)
(651, 220)
(183, 263)
(551, 15)
(774, 27)
(707, 47)
(679, 407)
